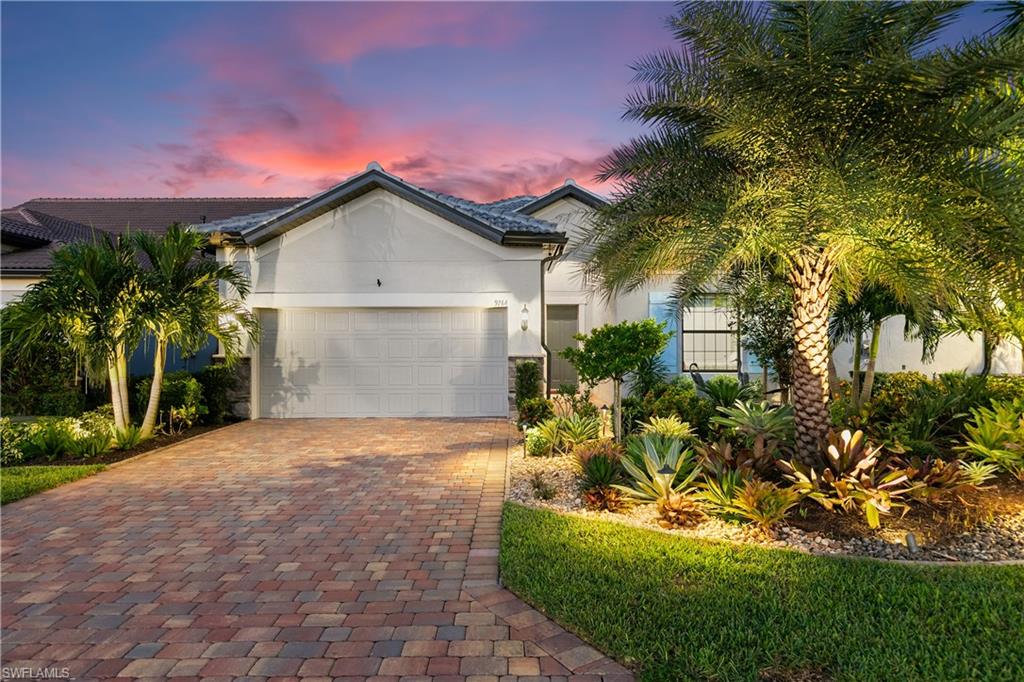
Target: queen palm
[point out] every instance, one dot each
(91, 300)
(183, 304)
(828, 140)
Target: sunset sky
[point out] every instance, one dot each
(237, 99)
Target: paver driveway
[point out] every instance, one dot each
(345, 549)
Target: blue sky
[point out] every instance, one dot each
(283, 99)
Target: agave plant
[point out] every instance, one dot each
(851, 479)
(668, 469)
(669, 427)
(547, 435)
(766, 426)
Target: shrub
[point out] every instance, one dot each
(38, 377)
(528, 381)
(724, 390)
(679, 398)
(181, 400)
(217, 382)
(13, 437)
(536, 445)
(725, 456)
(605, 498)
(851, 478)
(569, 401)
(632, 414)
(937, 412)
(98, 421)
(893, 394)
(1006, 388)
(90, 444)
(534, 410)
(50, 438)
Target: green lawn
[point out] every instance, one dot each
(19, 482)
(679, 609)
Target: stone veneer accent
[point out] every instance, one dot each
(241, 395)
(513, 361)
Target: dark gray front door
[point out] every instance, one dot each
(563, 324)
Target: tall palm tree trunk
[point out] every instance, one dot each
(811, 279)
(115, 394)
(122, 386)
(858, 342)
(869, 372)
(153, 406)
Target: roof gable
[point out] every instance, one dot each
(569, 189)
(498, 224)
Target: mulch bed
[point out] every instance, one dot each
(159, 441)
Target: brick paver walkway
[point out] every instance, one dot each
(344, 549)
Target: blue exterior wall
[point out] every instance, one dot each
(141, 362)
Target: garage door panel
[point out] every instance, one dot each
(400, 348)
(383, 362)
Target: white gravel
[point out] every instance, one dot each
(998, 539)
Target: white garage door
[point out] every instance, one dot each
(383, 362)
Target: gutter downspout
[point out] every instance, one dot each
(543, 316)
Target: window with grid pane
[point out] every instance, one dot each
(708, 338)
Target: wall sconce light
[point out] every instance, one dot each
(524, 319)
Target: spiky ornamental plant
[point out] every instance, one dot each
(827, 140)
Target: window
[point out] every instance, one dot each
(706, 337)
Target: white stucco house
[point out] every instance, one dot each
(380, 298)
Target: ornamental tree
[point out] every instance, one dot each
(613, 351)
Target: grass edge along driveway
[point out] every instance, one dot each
(681, 609)
(19, 482)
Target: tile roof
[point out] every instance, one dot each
(498, 220)
(152, 214)
(36, 236)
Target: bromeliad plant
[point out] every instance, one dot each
(939, 481)
(768, 428)
(996, 435)
(668, 427)
(852, 478)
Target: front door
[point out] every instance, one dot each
(563, 323)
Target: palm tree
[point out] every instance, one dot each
(851, 318)
(827, 138)
(91, 300)
(184, 306)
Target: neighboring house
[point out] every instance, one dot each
(381, 298)
(31, 231)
